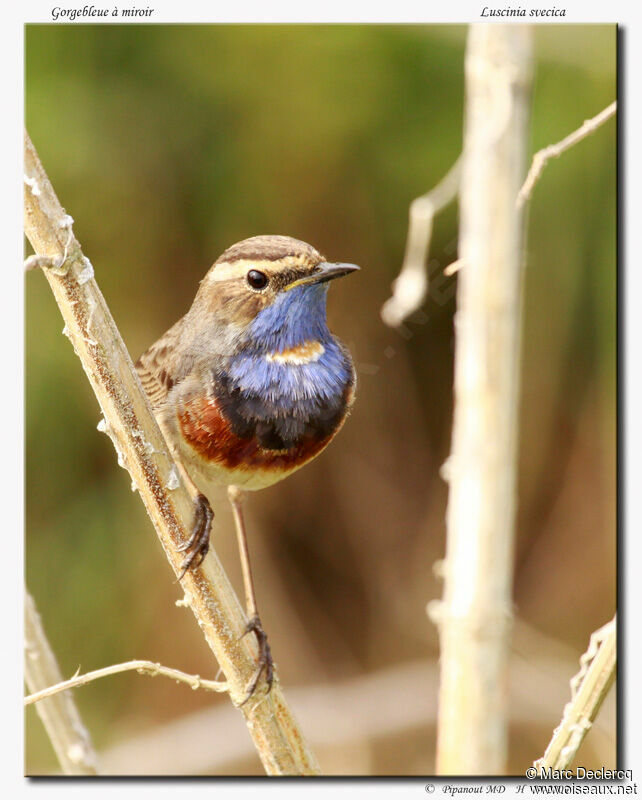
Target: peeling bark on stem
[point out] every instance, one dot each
(143, 451)
(475, 615)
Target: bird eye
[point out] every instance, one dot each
(256, 279)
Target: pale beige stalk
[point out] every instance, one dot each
(475, 615)
(143, 451)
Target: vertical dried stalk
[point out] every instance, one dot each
(143, 451)
(475, 615)
(59, 714)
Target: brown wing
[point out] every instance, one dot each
(158, 367)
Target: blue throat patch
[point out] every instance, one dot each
(280, 403)
(296, 316)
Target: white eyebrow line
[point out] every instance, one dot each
(228, 270)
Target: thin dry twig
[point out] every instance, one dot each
(554, 150)
(129, 422)
(454, 267)
(141, 666)
(59, 715)
(588, 690)
(376, 707)
(411, 285)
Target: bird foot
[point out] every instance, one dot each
(265, 662)
(198, 544)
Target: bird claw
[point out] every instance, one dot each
(265, 656)
(198, 543)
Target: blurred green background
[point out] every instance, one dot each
(167, 144)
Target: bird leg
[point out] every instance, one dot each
(198, 544)
(235, 496)
(196, 547)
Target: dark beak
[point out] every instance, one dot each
(324, 272)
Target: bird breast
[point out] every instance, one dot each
(265, 414)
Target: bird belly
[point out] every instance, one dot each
(216, 454)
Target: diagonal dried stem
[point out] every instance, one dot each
(142, 450)
(588, 690)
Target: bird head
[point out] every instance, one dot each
(269, 291)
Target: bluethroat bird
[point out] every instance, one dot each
(250, 385)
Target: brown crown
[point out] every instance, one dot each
(271, 248)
